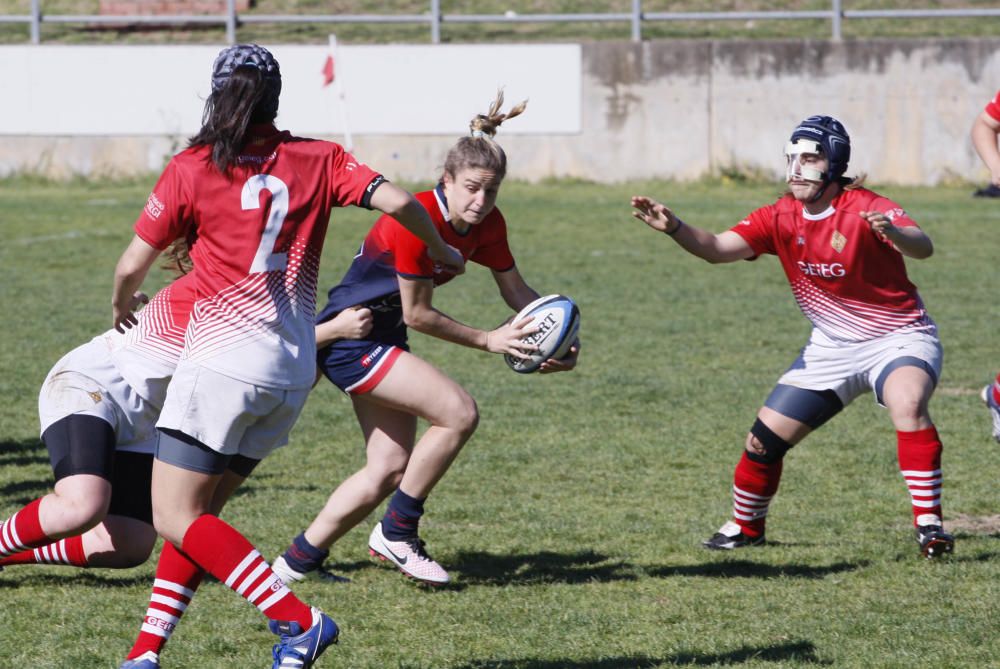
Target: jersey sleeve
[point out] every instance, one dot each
(167, 215)
(493, 250)
(758, 230)
(993, 108)
(351, 181)
(896, 214)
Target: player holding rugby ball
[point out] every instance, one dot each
(390, 387)
(842, 248)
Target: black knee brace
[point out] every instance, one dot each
(774, 446)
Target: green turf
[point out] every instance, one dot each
(572, 520)
(380, 33)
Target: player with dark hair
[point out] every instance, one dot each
(842, 248)
(254, 203)
(391, 387)
(985, 131)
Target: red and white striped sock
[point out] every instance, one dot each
(22, 531)
(177, 579)
(226, 554)
(68, 551)
(919, 456)
(754, 485)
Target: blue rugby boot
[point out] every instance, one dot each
(299, 649)
(148, 660)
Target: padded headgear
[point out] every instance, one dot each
(832, 137)
(239, 55)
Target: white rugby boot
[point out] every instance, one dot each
(409, 556)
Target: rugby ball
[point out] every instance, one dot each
(558, 321)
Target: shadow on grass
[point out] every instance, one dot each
(803, 652)
(22, 492)
(270, 480)
(27, 452)
(20, 454)
(746, 569)
(478, 568)
(62, 576)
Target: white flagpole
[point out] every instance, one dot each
(338, 92)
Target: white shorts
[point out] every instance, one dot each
(850, 369)
(228, 415)
(85, 381)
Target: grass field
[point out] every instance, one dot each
(379, 33)
(571, 522)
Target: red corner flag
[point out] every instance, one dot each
(328, 71)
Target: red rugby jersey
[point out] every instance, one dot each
(849, 282)
(993, 108)
(255, 234)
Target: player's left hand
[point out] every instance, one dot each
(564, 364)
(655, 214)
(879, 223)
(124, 316)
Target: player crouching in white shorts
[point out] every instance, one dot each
(101, 435)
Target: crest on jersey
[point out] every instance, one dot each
(838, 241)
(800, 240)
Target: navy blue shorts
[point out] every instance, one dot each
(357, 365)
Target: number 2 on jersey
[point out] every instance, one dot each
(265, 260)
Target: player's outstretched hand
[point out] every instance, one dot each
(654, 214)
(449, 257)
(564, 364)
(507, 338)
(124, 316)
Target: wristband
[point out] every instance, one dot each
(680, 224)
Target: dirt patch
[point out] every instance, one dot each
(974, 524)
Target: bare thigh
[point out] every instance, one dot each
(416, 387)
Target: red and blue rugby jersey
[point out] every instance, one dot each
(390, 250)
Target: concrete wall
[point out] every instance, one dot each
(604, 111)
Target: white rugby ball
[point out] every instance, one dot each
(558, 321)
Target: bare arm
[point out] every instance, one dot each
(985, 130)
(132, 267)
(516, 293)
(420, 314)
(910, 241)
(393, 200)
(715, 248)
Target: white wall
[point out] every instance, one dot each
(412, 90)
(606, 111)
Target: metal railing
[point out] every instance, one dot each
(434, 18)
